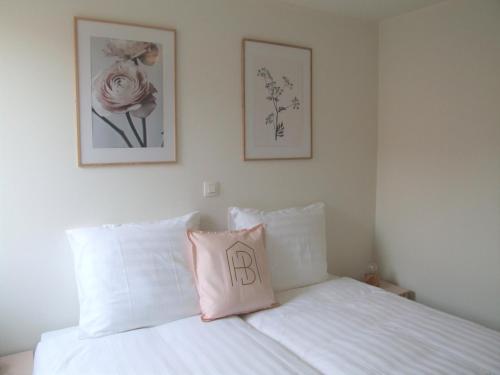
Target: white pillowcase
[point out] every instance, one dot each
(133, 275)
(295, 242)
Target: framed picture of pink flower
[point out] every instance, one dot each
(125, 93)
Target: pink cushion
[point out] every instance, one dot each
(231, 272)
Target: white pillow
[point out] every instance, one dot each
(295, 242)
(133, 275)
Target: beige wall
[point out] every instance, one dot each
(42, 192)
(438, 189)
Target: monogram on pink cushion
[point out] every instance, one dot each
(231, 272)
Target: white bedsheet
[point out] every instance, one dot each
(188, 346)
(343, 326)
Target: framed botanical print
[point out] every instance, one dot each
(277, 101)
(126, 91)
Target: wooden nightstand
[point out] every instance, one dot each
(406, 293)
(17, 364)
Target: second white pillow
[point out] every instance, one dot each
(295, 241)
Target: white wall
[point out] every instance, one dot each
(438, 190)
(42, 192)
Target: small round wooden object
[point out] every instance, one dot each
(372, 279)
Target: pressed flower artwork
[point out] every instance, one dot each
(274, 93)
(276, 101)
(126, 93)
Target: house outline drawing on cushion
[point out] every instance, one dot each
(234, 252)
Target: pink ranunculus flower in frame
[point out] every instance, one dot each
(123, 87)
(126, 93)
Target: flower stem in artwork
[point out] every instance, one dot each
(120, 132)
(144, 133)
(134, 130)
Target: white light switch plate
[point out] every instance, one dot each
(210, 189)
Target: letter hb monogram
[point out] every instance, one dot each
(242, 264)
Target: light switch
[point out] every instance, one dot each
(210, 189)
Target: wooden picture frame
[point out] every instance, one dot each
(125, 93)
(276, 81)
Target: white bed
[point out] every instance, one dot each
(340, 326)
(186, 346)
(343, 326)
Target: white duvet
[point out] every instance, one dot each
(343, 326)
(340, 326)
(188, 346)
